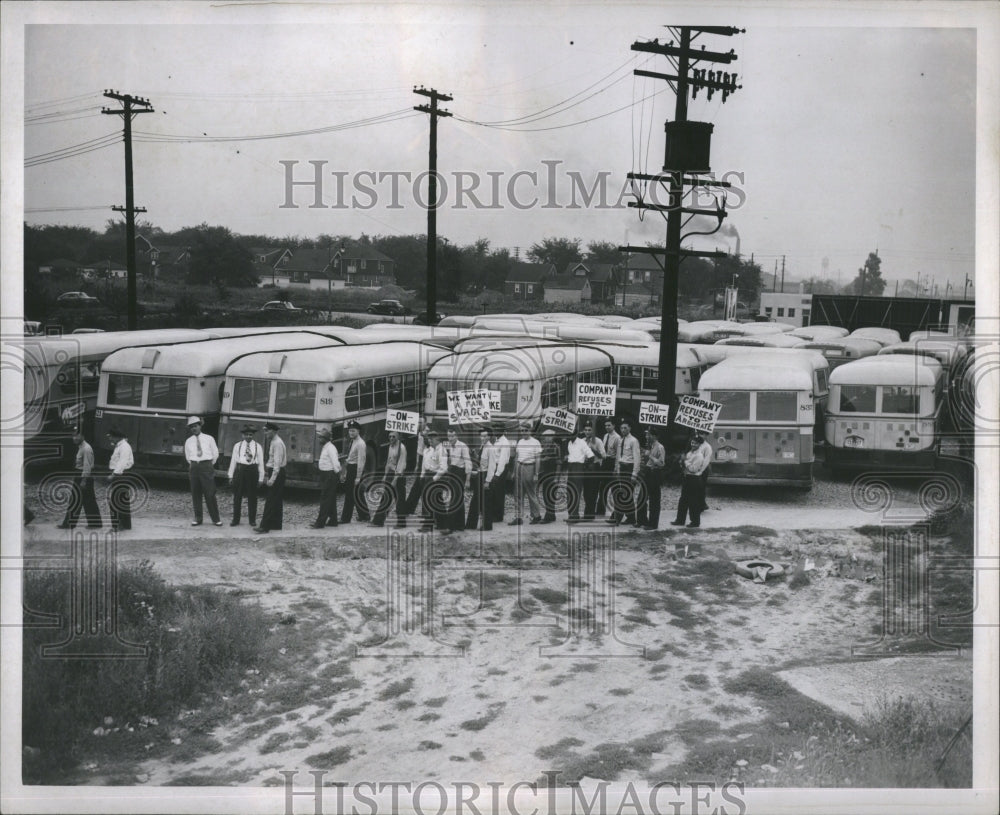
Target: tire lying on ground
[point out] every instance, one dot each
(758, 569)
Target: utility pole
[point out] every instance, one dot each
(782, 274)
(434, 112)
(131, 105)
(688, 146)
(774, 277)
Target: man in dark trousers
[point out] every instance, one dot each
(393, 482)
(548, 473)
(354, 492)
(246, 473)
(277, 461)
(201, 453)
(83, 487)
(119, 502)
(484, 476)
(654, 460)
(692, 489)
(612, 442)
(329, 479)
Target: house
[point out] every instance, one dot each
(582, 281)
(269, 265)
(640, 283)
(308, 269)
(104, 270)
(526, 281)
(791, 308)
(59, 266)
(361, 264)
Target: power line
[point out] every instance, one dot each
(74, 150)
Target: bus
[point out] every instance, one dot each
(62, 374)
(886, 412)
(766, 341)
(445, 336)
(303, 390)
(566, 331)
(148, 392)
(764, 433)
(819, 332)
(883, 336)
(950, 353)
(528, 374)
(845, 349)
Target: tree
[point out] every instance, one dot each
(218, 257)
(560, 252)
(869, 280)
(604, 252)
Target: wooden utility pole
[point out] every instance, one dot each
(434, 112)
(687, 153)
(131, 105)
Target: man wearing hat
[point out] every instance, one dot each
(578, 455)
(504, 465)
(692, 498)
(201, 453)
(354, 494)
(277, 460)
(433, 467)
(246, 474)
(393, 483)
(548, 473)
(329, 477)
(706, 450)
(119, 503)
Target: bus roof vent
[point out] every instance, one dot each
(277, 363)
(149, 357)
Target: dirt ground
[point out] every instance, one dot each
(593, 650)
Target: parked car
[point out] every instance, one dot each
(80, 298)
(279, 305)
(421, 318)
(87, 331)
(32, 328)
(392, 308)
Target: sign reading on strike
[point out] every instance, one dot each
(654, 413)
(494, 401)
(560, 418)
(699, 414)
(595, 399)
(402, 421)
(468, 407)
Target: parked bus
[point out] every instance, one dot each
(885, 411)
(764, 433)
(303, 390)
(846, 349)
(766, 341)
(950, 353)
(445, 336)
(883, 336)
(819, 332)
(61, 377)
(529, 375)
(565, 331)
(149, 392)
(636, 373)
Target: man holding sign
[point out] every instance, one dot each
(692, 488)
(393, 483)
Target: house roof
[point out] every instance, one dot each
(309, 260)
(271, 254)
(170, 254)
(354, 250)
(568, 283)
(528, 272)
(640, 260)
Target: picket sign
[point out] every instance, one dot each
(594, 399)
(467, 407)
(402, 421)
(654, 413)
(559, 418)
(698, 414)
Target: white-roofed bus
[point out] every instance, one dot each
(844, 349)
(764, 433)
(149, 392)
(529, 375)
(304, 390)
(61, 378)
(886, 412)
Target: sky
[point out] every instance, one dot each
(851, 133)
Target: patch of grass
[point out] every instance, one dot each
(560, 748)
(477, 755)
(550, 597)
(405, 704)
(437, 701)
(396, 689)
(429, 717)
(484, 720)
(331, 758)
(799, 580)
(430, 745)
(198, 641)
(621, 691)
(343, 715)
(698, 680)
(275, 742)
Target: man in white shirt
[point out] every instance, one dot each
(593, 477)
(329, 478)
(527, 455)
(433, 467)
(354, 491)
(246, 474)
(578, 453)
(502, 446)
(612, 443)
(459, 479)
(692, 488)
(486, 473)
(119, 503)
(82, 495)
(627, 471)
(201, 453)
(277, 461)
(393, 483)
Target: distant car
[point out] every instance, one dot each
(392, 308)
(421, 318)
(87, 331)
(76, 297)
(279, 305)
(32, 327)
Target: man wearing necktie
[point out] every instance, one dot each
(612, 444)
(277, 460)
(201, 453)
(354, 486)
(246, 473)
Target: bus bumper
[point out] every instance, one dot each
(840, 458)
